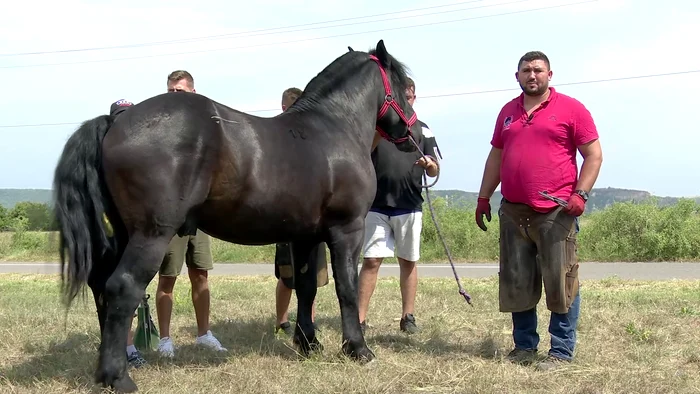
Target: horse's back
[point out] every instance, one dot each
(187, 154)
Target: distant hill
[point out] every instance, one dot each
(600, 198)
(10, 197)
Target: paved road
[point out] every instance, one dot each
(644, 271)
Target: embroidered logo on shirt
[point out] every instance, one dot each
(507, 122)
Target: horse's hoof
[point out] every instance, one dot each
(308, 348)
(124, 385)
(359, 353)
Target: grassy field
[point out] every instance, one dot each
(634, 337)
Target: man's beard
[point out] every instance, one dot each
(540, 90)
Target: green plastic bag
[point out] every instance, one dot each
(146, 335)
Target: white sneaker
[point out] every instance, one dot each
(166, 348)
(208, 340)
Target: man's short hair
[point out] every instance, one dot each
(291, 95)
(410, 84)
(534, 55)
(181, 74)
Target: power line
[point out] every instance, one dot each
(245, 33)
(568, 83)
(299, 40)
(429, 96)
(372, 21)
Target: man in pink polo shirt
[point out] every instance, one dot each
(534, 147)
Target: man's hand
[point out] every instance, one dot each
(430, 165)
(575, 206)
(483, 207)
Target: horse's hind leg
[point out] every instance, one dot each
(345, 245)
(101, 271)
(122, 293)
(305, 287)
(97, 287)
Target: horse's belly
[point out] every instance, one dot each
(261, 220)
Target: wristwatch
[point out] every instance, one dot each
(583, 194)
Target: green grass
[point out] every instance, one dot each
(634, 337)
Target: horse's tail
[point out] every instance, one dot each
(83, 208)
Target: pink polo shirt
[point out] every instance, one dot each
(539, 151)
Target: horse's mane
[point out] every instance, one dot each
(399, 71)
(346, 67)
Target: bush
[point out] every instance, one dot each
(642, 232)
(621, 232)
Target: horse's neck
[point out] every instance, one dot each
(347, 103)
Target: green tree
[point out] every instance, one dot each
(4, 219)
(38, 216)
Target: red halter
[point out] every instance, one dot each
(390, 102)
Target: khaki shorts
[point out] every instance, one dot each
(535, 248)
(193, 249)
(284, 264)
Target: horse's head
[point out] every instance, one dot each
(395, 116)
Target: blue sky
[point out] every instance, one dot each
(648, 138)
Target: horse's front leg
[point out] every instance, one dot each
(305, 263)
(345, 245)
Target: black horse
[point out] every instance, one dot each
(181, 161)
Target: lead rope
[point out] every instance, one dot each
(462, 292)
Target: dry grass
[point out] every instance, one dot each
(634, 337)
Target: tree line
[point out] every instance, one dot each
(28, 216)
(624, 231)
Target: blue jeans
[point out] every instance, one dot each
(562, 328)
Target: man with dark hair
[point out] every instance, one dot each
(195, 250)
(532, 56)
(289, 96)
(133, 356)
(395, 218)
(533, 157)
(284, 264)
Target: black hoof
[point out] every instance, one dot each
(358, 352)
(123, 384)
(306, 347)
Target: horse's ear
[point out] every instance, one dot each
(350, 49)
(383, 55)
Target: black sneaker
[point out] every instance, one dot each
(408, 324)
(286, 327)
(135, 360)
